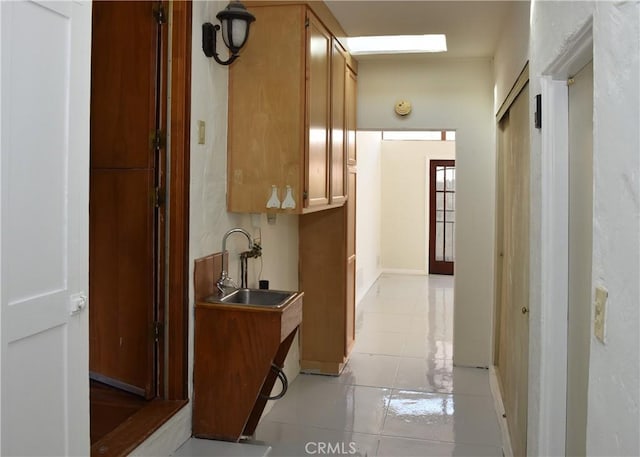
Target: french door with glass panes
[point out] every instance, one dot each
(442, 204)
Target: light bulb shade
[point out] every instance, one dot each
(235, 20)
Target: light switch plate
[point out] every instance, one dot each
(600, 313)
(201, 132)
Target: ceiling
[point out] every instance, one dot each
(472, 27)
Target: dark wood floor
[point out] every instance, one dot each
(110, 407)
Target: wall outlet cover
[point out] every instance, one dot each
(600, 313)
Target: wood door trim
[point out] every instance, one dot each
(137, 428)
(523, 79)
(178, 249)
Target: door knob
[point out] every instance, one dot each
(78, 303)
(524, 310)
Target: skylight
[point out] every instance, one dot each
(396, 44)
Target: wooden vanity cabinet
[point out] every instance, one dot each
(234, 350)
(287, 110)
(235, 347)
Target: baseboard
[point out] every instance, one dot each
(321, 368)
(507, 451)
(364, 289)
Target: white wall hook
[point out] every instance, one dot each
(274, 201)
(289, 202)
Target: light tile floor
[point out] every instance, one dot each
(399, 394)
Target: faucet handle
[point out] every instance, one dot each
(225, 282)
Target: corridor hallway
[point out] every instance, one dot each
(399, 394)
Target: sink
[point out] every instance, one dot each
(254, 297)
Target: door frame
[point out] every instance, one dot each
(549, 389)
(177, 328)
(175, 392)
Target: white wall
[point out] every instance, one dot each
(512, 51)
(368, 193)
(405, 202)
(209, 219)
(614, 390)
(2, 356)
(456, 95)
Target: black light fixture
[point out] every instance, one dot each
(235, 20)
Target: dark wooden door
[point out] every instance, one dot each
(442, 207)
(127, 169)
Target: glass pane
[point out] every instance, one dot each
(439, 216)
(451, 178)
(439, 178)
(448, 243)
(440, 200)
(450, 216)
(450, 203)
(439, 242)
(450, 135)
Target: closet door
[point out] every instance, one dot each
(513, 255)
(44, 227)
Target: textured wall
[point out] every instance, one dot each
(405, 202)
(614, 390)
(368, 212)
(512, 51)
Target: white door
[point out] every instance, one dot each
(580, 257)
(44, 182)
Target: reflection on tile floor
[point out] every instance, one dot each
(399, 394)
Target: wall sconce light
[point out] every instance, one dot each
(235, 20)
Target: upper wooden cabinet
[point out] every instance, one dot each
(287, 111)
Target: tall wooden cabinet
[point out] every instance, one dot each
(292, 123)
(328, 258)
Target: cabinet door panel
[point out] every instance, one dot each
(350, 115)
(318, 88)
(350, 330)
(338, 159)
(266, 139)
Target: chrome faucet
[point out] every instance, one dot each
(225, 282)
